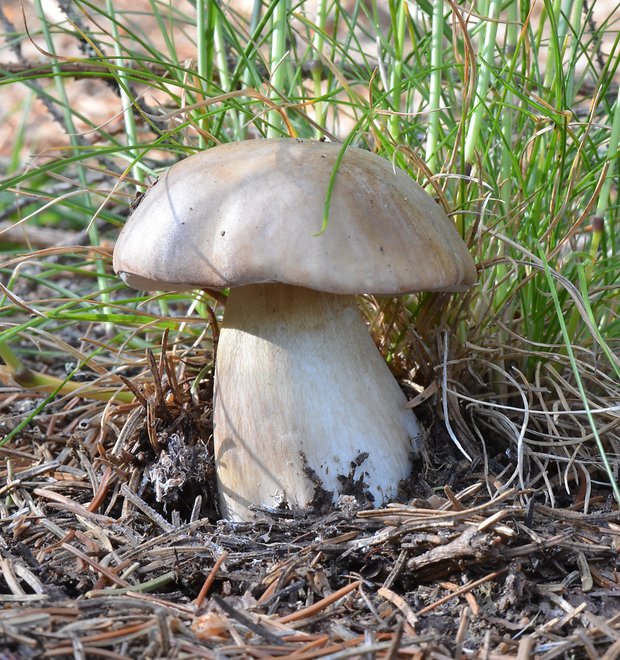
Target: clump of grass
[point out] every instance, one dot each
(516, 114)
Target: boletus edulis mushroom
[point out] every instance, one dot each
(304, 401)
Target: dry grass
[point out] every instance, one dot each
(110, 548)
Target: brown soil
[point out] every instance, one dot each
(110, 547)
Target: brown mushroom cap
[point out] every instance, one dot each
(251, 212)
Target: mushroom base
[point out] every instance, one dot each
(304, 404)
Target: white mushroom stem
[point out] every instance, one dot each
(302, 396)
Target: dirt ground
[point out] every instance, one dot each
(110, 546)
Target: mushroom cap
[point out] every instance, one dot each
(251, 212)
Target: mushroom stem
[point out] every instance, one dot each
(305, 407)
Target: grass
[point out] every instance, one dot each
(509, 114)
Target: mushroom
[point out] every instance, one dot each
(305, 408)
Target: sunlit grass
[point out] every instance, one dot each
(509, 115)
